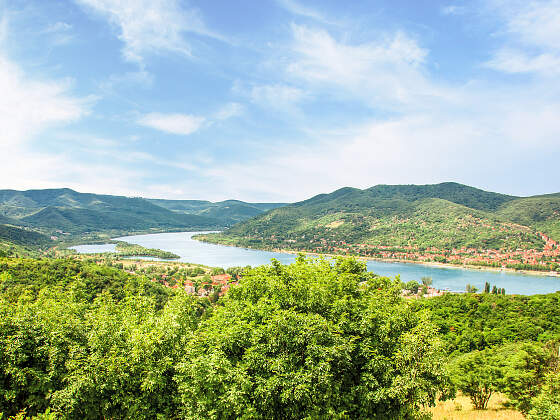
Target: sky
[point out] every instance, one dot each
(278, 100)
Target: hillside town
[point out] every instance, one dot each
(545, 259)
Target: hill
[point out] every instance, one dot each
(228, 212)
(73, 212)
(22, 242)
(69, 211)
(413, 220)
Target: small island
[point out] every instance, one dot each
(124, 249)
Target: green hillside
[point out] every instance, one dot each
(73, 212)
(21, 242)
(444, 216)
(228, 212)
(541, 212)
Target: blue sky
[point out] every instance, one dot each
(278, 100)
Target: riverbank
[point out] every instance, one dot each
(401, 261)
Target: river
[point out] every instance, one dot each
(454, 279)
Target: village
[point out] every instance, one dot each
(546, 259)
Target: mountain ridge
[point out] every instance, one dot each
(445, 216)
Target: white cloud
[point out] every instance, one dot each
(453, 10)
(233, 109)
(531, 31)
(139, 78)
(182, 124)
(299, 9)
(387, 73)
(58, 27)
(29, 106)
(151, 26)
(515, 61)
(277, 96)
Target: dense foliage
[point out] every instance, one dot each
(444, 216)
(315, 339)
(499, 343)
(227, 212)
(307, 340)
(73, 212)
(312, 340)
(469, 322)
(124, 249)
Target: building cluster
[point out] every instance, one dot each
(220, 283)
(546, 258)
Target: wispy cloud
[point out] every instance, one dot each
(531, 31)
(387, 73)
(230, 110)
(277, 96)
(151, 26)
(296, 8)
(58, 27)
(181, 124)
(28, 106)
(453, 10)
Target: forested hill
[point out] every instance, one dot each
(229, 211)
(69, 211)
(446, 216)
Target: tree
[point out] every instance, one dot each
(312, 340)
(471, 289)
(524, 370)
(477, 374)
(413, 286)
(546, 406)
(427, 281)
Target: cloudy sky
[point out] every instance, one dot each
(278, 100)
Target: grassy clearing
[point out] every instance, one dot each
(461, 409)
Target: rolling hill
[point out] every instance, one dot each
(229, 212)
(69, 211)
(417, 217)
(21, 241)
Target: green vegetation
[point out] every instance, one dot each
(315, 339)
(469, 322)
(228, 212)
(307, 340)
(66, 211)
(22, 242)
(412, 220)
(124, 249)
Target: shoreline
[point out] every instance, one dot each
(397, 260)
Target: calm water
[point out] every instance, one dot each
(454, 279)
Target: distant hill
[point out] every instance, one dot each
(20, 236)
(447, 215)
(74, 212)
(21, 242)
(228, 212)
(69, 211)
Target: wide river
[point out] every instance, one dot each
(454, 279)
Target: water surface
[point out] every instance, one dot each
(454, 279)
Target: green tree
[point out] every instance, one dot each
(427, 281)
(312, 340)
(412, 286)
(546, 406)
(477, 374)
(525, 368)
(471, 289)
